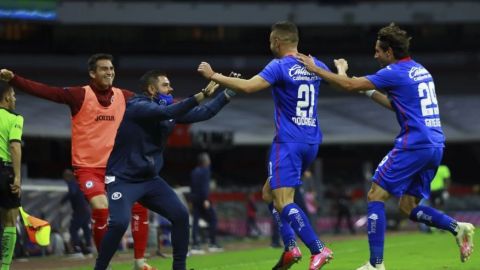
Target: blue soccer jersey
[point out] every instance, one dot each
(411, 91)
(295, 92)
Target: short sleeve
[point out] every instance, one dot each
(322, 65)
(272, 72)
(17, 129)
(384, 78)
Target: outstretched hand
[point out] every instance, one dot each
(210, 88)
(205, 70)
(6, 75)
(341, 65)
(307, 61)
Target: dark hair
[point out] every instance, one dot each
(202, 158)
(4, 88)
(92, 61)
(397, 39)
(286, 31)
(150, 77)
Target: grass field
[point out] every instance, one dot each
(403, 252)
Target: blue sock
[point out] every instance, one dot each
(376, 226)
(301, 225)
(288, 236)
(432, 217)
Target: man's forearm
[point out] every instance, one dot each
(16, 154)
(381, 99)
(339, 80)
(231, 82)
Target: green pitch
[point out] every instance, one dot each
(402, 252)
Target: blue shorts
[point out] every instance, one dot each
(288, 161)
(408, 171)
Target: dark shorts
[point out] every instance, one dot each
(8, 200)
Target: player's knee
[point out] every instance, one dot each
(267, 196)
(179, 217)
(406, 207)
(377, 193)
(99, 202)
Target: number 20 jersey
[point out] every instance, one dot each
(295, 92)
(411, 91)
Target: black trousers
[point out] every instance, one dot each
(8, 200)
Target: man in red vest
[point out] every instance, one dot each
(97, 110)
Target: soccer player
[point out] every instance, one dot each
(295, 145)
(137, 158)
(407, 170)
(11, 127)
(96, 108)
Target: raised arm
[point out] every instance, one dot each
(343, 82)
(148, 109)
(55, 94)
(254, 84)
(339, 81)
(207, 110)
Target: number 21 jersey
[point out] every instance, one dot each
(295, 92)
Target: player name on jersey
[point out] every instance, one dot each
(305, 121)
(433, 122)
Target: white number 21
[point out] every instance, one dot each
(306, 100)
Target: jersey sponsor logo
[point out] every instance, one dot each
(89, 184)
(105, 118)
(300, 73)
(116, 196)
(109, 179)
(419, 74)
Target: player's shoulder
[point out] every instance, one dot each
(319, 63)
(414, 71)
(9, 113)
(75, 89)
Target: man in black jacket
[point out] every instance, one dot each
(137, 158)
(202, 207)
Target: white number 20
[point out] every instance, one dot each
(306, 100)
(428, 102)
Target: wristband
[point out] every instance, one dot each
(369, 93)
(230, 93)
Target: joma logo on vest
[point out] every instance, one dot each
(105, 118)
